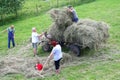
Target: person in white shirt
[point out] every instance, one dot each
(57, 55)
(35, 39)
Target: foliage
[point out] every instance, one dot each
(36, 7)
(9, 6)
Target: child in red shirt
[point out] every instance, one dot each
(38, 66)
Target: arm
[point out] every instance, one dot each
(70, 10)
(50, 56)
(40, 35)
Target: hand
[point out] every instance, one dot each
(48, 57)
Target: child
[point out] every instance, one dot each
(38, 66)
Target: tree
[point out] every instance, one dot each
(13, 6)
(9, 7)
(3, 8)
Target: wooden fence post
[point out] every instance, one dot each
(57, 3)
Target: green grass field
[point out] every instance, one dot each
(103, 67)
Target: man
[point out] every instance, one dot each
(73, 11)
(35, 39)
(11, 32)
(57, 54)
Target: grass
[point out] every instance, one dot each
(89, 68)
(89, 71)
(23, 29)
(38, 6)
(32, 8)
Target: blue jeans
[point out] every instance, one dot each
(75, 19)
(13, 42)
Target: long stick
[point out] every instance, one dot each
(3, 31)
(44, 65)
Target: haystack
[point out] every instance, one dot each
(86, 32)
(61, 20)
(61, 17)
(56, 33)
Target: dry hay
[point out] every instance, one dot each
(55, 33)
(44, 40)
(87, 33)
(25, 66)
(61, 17)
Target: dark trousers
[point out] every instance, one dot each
(57, 64)
(9, 40)
(75, 19)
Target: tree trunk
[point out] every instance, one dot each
(74, 2)
(2, 19)
(36, 9)
(57, 3)
(16, 13)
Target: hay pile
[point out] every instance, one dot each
(61, 20)
(86, 32)
(18, 65)
(25, 66)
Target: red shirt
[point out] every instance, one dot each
(39, 66)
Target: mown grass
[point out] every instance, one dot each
(88, 69)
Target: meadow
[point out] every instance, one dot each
(102, 66)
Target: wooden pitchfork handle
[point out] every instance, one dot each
(44, 65)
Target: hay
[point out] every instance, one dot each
(61, 17)
(55, 33)
(25, 66)
(86, 32)
(66, 58)
(44, 41)
(18, 65)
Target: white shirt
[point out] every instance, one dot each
(35, 37)
(57, 52)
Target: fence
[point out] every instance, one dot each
(36, 7)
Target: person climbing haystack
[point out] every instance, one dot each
(74, 14)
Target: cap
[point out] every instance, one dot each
(54, 43)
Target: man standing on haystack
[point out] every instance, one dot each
(73, 11)
(35, 40)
